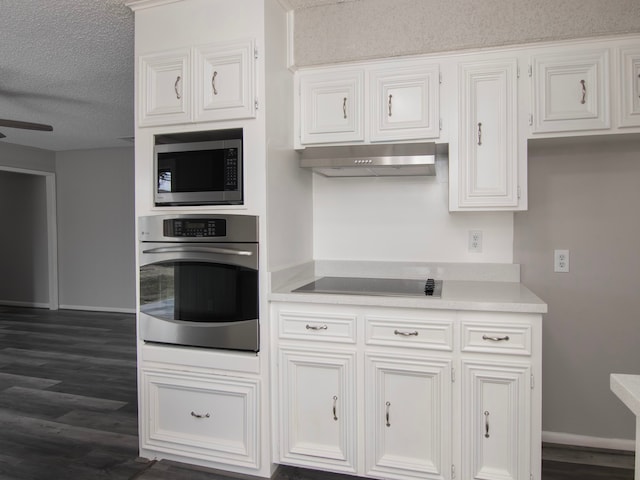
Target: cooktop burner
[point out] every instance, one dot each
(374, 286)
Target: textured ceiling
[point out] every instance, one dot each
(67, 63)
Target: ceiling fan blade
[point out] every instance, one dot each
(2, 135)
(25, 125)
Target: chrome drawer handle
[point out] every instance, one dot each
(386, 416)
(316, 327)
(390, 97)
(335, 401)
(175, 87)
(406, 334)
(213, 83)
(584, 91)
(344, 107)
(496, 339)
(486, 424)
(199, 415)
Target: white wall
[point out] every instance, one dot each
(584, 197)
(96, 229)
(19, 157)
(356, 30)
(401, 219)
(24, 269)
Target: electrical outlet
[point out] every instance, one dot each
(475, 241)
(561, 261)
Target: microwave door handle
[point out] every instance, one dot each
(195, 249)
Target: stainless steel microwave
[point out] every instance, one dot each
(199, 173)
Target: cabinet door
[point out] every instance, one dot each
(496, 421)
(165, 88)
(200, 417)
(317, 409)
(408, 418)
(405, 103)
(225, 86)
(488, 144)
(331, 107)
(571, 91)
(630, 87)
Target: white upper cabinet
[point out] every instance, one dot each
(488, 153)
(224, 81)
(405, 103)
(571, 91)
(629, 66)
(331, 107)
(165, 88)
(206, 83)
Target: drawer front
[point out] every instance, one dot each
(328, 327)
(215, 419)
(405, 332)
(496, 338)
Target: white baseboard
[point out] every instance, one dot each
(586, 441)
(11, 303)
(97, 309)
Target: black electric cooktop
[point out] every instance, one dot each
(374, 286)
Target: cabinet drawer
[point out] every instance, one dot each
(404, 332)
(213, 418)
(318, 327)
(496, 338)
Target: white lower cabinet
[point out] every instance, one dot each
(408, 410)
(408, 393)
(204, 417)
(496, 419)
(317, 409)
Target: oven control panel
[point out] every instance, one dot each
(195, 227)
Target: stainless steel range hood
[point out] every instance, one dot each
(401, 159)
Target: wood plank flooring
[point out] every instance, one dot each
(68, 407)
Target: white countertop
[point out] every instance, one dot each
(627, 389)
(456, 295)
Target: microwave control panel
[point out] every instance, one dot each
(195, 227)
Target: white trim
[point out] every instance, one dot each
(587, 441)
(97, 309)
(52, 232)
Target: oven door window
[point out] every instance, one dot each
(199, 291)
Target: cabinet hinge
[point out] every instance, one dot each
(518, 71)
(532, 383)
(519, 192)
(530, 119)
(440, 124)
(255, 53)
(453, 375)
(453, 471)
(256, 104)
(440, 77)
(530, 70)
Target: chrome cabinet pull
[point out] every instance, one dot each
(406, 334)
(335, 414)
(390, 97)
(486, 424)
(386, 416)
(639, 86)
(175, 87)
(213, 83)
(496, 339)
(584, 92)
(199, 415)
(316, 327)
(344, 107)
(479, 133)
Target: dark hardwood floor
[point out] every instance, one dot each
(68, 407)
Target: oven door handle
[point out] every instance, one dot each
(194, 249)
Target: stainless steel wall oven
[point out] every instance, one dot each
(199, 281)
